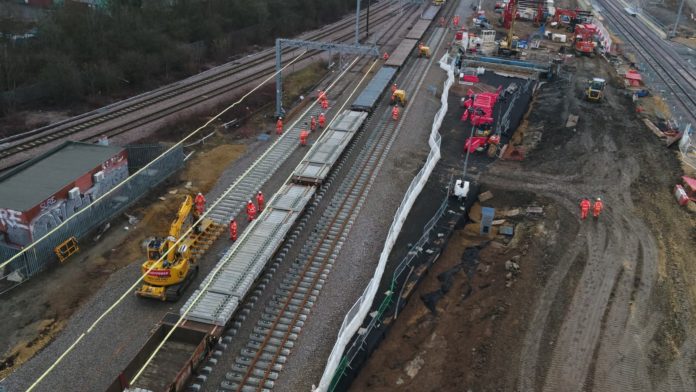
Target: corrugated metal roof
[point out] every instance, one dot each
(34, 181)
(369, 96)
(242, 263)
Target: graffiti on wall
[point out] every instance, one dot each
(56, 211)
(15, 228)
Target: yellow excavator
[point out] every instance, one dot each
(399, 96)
(174, 272)
(423, 51)
(595, 89)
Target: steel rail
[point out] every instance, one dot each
(29, 140)
(679, 79)
(368, 167)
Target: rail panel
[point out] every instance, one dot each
(401, 53)
(368, 98)
(242, 263)
(418, 29)
(318, 163)
(431, 12)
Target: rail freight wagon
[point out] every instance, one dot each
(172, 367)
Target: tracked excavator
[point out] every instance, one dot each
(174, 272)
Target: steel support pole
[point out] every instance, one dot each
(367, 27)
(357, 22)
(279, 79)
(676, 23)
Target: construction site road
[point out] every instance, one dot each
(601, 305)
(616, 330)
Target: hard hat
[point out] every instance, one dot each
(322, 113)
(249, 202)
(199, 194)
(598, 199)
(259, 192)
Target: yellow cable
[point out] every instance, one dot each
(249, 229)
(134, 285)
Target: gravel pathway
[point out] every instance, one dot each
(359, 255)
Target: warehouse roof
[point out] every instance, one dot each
(37, 179)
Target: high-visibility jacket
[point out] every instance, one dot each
(260, 201)
(251, 211)
(233, 230)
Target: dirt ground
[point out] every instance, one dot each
(40, 307)
(601, 305)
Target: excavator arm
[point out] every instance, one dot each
(178, 226)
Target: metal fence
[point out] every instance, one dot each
(42, 254)
(337, 362)
(361, 347)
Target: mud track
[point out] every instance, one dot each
(618, 332)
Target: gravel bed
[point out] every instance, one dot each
(360, 254)
(121, 335)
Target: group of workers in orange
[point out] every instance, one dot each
(304, 133)
(323, 99)
(251, 210)
(585, 208)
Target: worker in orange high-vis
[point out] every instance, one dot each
(321, 95)
(251, 211)
(303, 137)
(233, 230)
(312, 124)
(322, 120)
(325, 104)
(395, 113)
(200, 203)
(597, 208)
(260, 201)
(584, 208)
(385, 56)
(279, 126)
(394, 88)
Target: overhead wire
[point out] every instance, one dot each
(248, 230)
(171, 248)
(141, 170)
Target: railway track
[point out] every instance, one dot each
(202, 88)
(263, 356)
(664, 60)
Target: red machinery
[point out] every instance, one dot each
(482, 108)
(508, 12)
(585, 39)
(480, 142)
(685, 191)
(570, 18)
(479, 108)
